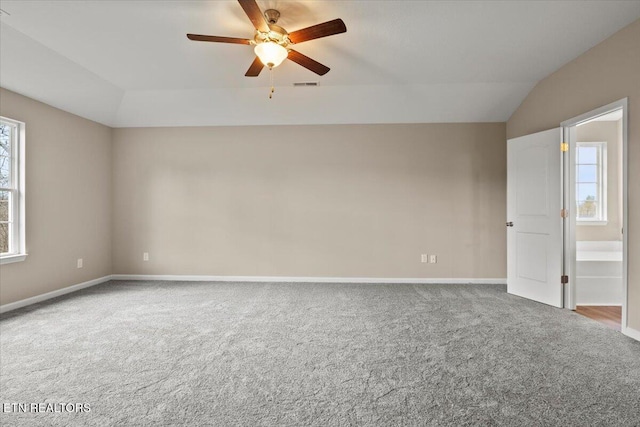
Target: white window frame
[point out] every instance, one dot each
(17, 250)
(602, 171)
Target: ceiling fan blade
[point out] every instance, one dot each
(255, 68)
(201, 38)
(325, 29)
(254, 13)
(308, 63)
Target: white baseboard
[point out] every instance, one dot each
(630, 332)
(192, 278)
(39, 298)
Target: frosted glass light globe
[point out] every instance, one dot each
(271, 54)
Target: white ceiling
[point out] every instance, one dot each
(129, 63)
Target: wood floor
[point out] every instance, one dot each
(610, 315)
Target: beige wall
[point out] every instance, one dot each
(604, 74)
(605, 132)
(343, 200)
(68, 203)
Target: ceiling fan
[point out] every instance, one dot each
(272, 42)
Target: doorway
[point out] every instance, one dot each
(595, 199)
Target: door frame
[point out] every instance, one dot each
(569, 134)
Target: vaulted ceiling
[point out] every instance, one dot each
(129, 63)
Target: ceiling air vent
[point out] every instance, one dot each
(303, 84)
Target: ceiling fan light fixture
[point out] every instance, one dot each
(272, 43)
(271, 53)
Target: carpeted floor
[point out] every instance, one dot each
(274, 354)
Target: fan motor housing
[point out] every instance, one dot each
(277, 34)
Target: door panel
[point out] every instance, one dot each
(534, 200)
(532, 257)
(531, 194)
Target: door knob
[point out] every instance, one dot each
(510, 224)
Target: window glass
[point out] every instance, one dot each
(11, 191)
(590, 173)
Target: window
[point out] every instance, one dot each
(591, 175)
(12, 227)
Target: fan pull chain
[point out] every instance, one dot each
(271, 79)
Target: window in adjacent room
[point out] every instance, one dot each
(591, 173)
(12, 226)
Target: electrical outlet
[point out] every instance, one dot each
(80, 263)
(424, 258)
(433, 259)
(145, 256)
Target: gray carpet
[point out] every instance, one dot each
(273, 354)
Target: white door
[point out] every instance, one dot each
(534, 224)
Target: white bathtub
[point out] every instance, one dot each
(599, 273)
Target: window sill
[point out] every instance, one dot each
(8, 259)
(591, 222)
